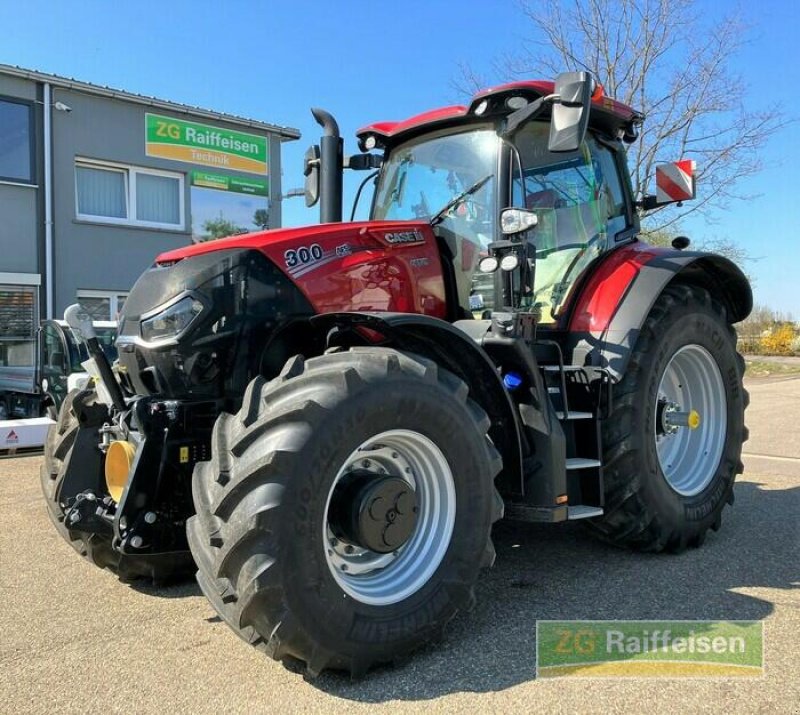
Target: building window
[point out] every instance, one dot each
(18, 321)
(128, 195)
(16, 141)
(102, 304)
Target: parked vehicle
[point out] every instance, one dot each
(38, 388)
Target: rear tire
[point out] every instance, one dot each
(665, 486)
(259, 538)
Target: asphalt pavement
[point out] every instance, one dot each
(73, 639)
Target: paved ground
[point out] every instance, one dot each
(73, 639)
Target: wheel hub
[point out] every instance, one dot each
(670, 418)
(389, 517)
(373, 512)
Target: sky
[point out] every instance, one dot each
(373, 61)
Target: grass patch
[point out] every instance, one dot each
(763, 368)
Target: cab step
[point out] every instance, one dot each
(583, 511)
(581, 463)
(574, 415)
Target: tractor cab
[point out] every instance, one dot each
(459, 166)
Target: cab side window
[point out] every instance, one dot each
(612, 184)
(587, 179)
(580, 205)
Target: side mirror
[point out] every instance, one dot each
(570, 114)
(675, 183)
(311, 162)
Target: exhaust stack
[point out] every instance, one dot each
(331, 160)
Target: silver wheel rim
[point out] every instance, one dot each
(689, 457)
(383, 579)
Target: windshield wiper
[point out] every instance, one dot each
(439, 217)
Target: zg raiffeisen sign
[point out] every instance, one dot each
(194, 143)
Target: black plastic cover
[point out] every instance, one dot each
(246, 301)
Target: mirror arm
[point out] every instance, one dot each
(648, 202)
(515, 120)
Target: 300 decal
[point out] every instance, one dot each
(303, 255)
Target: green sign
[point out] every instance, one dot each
(239, 185)
(195, 143)
(649, 649)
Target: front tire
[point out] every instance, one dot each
(673, 442)
(81, 411)
(275, 544)
(60, 439)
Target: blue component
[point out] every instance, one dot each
(512, 381)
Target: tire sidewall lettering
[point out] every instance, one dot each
(397, 403)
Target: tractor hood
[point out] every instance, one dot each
(382, 233)
(205, 319)
(361, 266)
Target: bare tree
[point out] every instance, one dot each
(662, 58)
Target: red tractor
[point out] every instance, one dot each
(327, 421)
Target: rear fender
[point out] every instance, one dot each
(455, 351)
(617, 298)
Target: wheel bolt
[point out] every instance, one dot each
(334, 543)
(150, 517)
(366, 463)
(343, 567)
(395, 455)
(137, 542)
(349, 549)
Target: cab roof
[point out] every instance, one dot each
(607, 115)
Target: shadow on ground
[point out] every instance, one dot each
(560, 572)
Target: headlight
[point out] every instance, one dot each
(172, 321)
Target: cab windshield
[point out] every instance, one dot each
(419, 179)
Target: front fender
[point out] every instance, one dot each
(617, 297)
(457, 352)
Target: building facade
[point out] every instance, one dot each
(95, 182)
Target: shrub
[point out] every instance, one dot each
(779, 340)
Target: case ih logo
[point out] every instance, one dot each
(12, 437)
(403, 237)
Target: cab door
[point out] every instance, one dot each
(581, 207)
(55, 362)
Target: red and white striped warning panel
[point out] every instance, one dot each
(675, 181)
